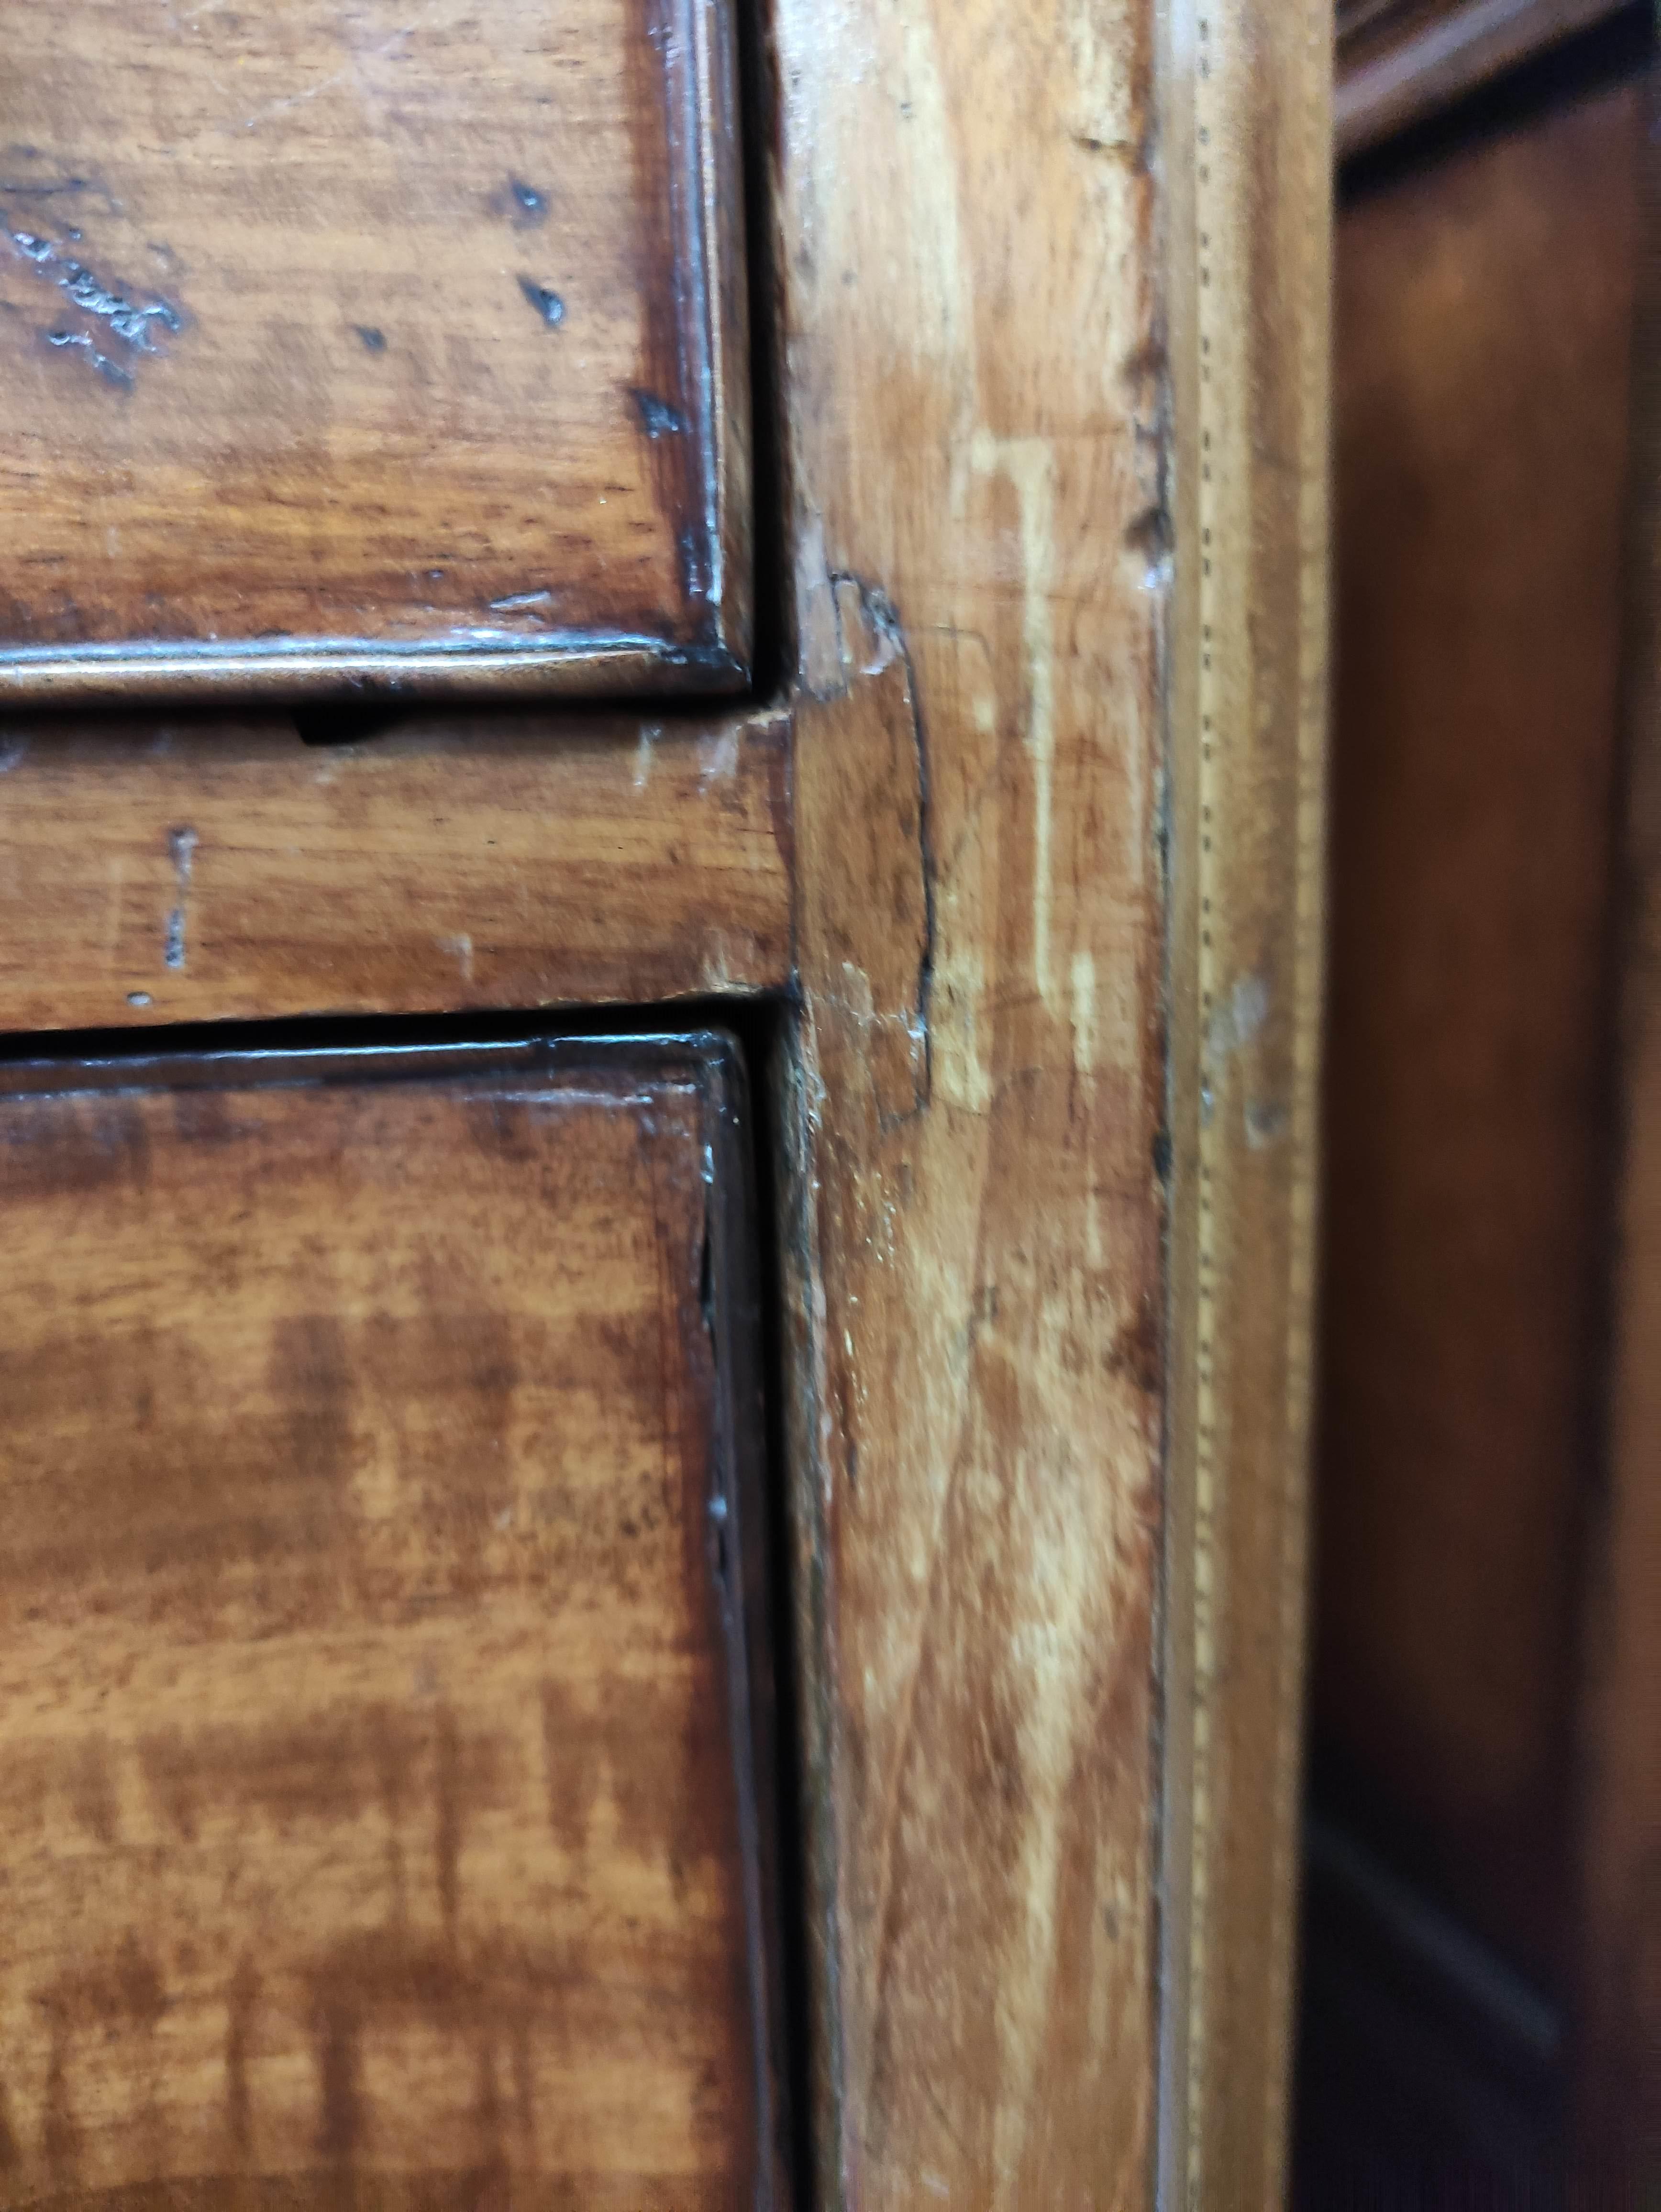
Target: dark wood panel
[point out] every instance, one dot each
(202, 873)
(1484, 323)
(378, 1570)
(406, 345)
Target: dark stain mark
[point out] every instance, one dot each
(548, 304)
(242, 2000)
(51, 188)
(666, 1769)
(11, 2151)
(1138, 1350)
(391, 1751)
(447, 1791)
(487, 2099)
(375, 341)
(523, 2094)
(328, 1768)
(69, 1148)
(332, 1770)
(309, 1371)
(123, 1990)
(1149, 535)
(92, 1791)
(340, 2118)
(566, 1763)
(60, 2137)
(446, 1382)
(657, 418)
(525, 205)
(496, 1993)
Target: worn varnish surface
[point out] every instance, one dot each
(205, 872)
(970, 326)
(370, 1572)
(1485, 317)
(406, 341)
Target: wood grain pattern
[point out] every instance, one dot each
(970, 325)
(1621, 1827)
(403, 344)
(1484, 318)
(207, 872)
(373, 1575)
(1401, 60)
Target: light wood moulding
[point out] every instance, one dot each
(401, 348)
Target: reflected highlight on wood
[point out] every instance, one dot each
(370, 1593)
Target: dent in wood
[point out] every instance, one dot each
(117, 315)
(546, 301)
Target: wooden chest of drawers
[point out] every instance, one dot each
(531, 536)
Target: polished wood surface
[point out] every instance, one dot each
(399, 344)
(379, 1821)
(214, 872)
(1484, 327)
(974, 314)
(1402, 60)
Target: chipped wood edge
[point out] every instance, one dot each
(1248, 162)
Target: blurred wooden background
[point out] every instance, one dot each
(1482, 1893)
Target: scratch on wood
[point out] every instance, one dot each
(1028, 464)
(181, 844)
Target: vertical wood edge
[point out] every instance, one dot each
(1617, 2090)
(1246, 149)
(969, 333)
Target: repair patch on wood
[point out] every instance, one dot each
(380, 1741)
(396, 341)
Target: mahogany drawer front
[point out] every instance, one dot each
(378, 1602)
(348, 340)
